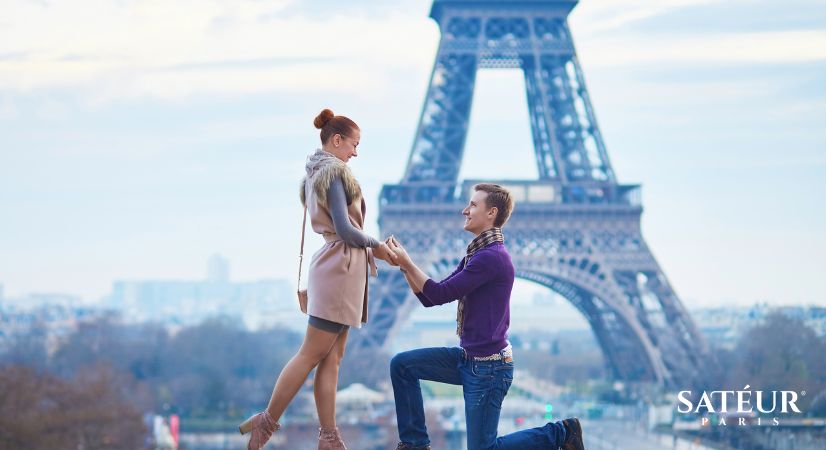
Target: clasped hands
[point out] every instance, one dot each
(392, 252)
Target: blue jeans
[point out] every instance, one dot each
(485, 384)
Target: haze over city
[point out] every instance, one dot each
(137, 145)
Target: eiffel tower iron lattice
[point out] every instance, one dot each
(575, 229)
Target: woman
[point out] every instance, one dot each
(337, 285)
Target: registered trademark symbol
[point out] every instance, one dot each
(802, 392)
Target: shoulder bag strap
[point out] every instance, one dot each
(301, 255)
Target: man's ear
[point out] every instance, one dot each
(494, 211)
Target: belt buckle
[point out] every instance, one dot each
(493, 357)
(506, 355)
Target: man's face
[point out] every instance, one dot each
(478, 217)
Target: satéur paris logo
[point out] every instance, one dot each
(743, 407)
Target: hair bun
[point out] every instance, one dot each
(322, 118)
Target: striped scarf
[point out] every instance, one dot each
(479, 242)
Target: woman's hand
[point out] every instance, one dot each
(402, 258)
(384, 253)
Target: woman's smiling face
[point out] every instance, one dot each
(345, 147)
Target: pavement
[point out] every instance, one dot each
(618, 435)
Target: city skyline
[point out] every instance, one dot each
(138, 156)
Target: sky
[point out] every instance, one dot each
(137, 138)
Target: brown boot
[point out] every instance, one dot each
(330, 439)
(573, 439)
(403, 446)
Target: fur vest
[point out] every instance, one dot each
(322, 169)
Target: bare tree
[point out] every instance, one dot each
(40, 411)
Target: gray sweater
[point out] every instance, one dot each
(337, 201)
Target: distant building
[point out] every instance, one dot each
(421, 332)
(724, 326)
(813, 316)
(218, 269)
(51, 322)
(258, 304)
(532, 320)
(38, 299)
(537, 322)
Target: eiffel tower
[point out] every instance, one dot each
(575, 230)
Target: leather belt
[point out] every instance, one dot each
(505, 355)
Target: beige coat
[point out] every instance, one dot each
(337, 280)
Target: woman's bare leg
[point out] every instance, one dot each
(316, 346)
(326, 382)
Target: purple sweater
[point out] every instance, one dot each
(486, 284)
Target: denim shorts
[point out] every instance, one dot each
(327, 325)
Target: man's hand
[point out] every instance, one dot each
(415, 277)
(384, 252)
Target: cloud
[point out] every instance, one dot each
(597, 16)
(610, 33)
(775, 47)
(110, 51)
(177, 49)
(7, 109)
(12, 56)
(175, 84)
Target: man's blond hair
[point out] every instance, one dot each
(500, 198)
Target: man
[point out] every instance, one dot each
(483, 364)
